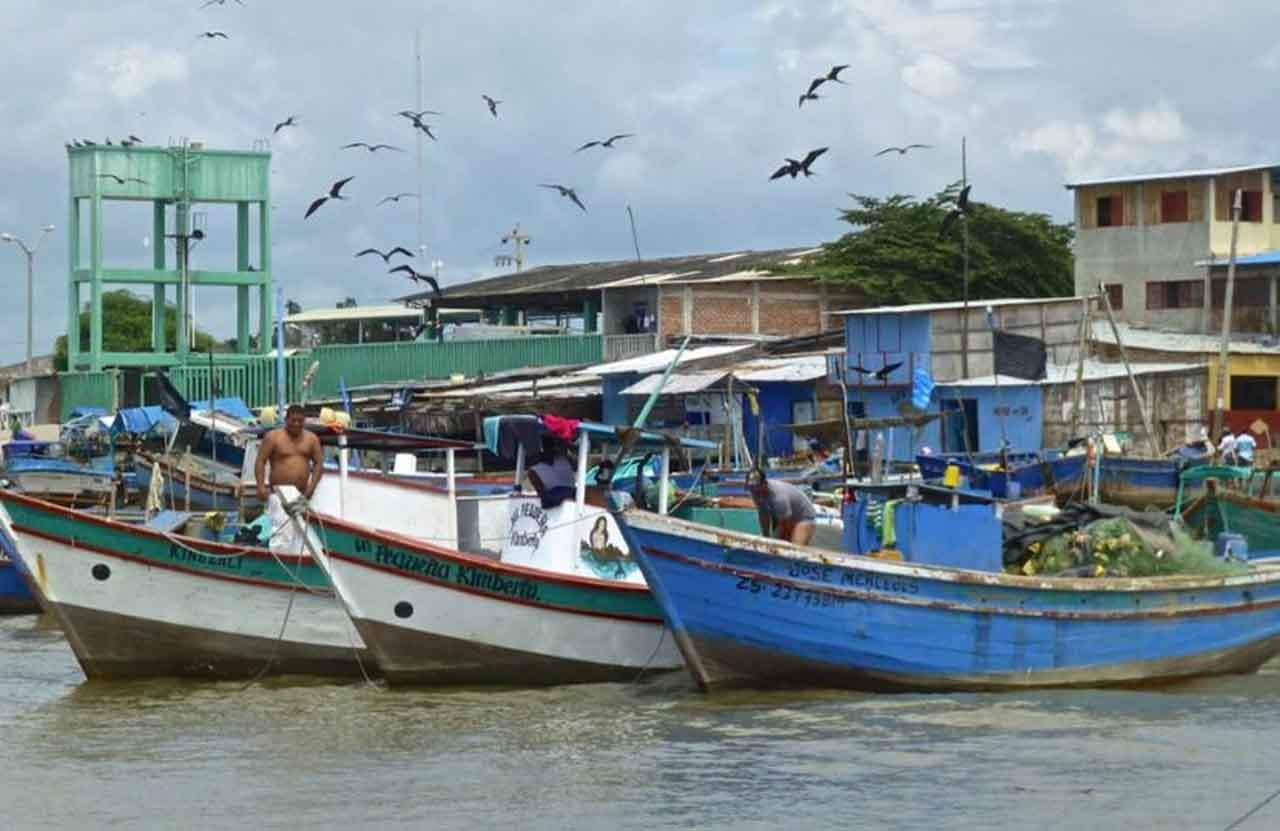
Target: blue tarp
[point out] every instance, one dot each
(231, 406)
(141, 420)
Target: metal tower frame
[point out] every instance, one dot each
(183, 176)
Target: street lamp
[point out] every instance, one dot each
(31, 256)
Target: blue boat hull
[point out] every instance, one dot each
(753, 612)
(1034, 476)
(15, 596)
(200, 497)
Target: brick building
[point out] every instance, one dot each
(641, 305)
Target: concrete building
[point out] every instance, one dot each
(1159, 243)
(1252, 388)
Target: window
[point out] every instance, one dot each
(802, 412)
(1251, 206)
(1173, 206)
(1253, 392)
(1110, 211)
(1115, 295)
(1175, 294)
(1249, 292)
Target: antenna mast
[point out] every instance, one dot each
(417, 65)
(520, 240)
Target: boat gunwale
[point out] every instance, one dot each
(1260, 573)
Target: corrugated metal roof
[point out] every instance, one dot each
(658, 361)
(1260, 258)
(677, 383)
(794, 369)
(354, 313)
(563, 384)
(973, 304)
(578, 277)
(1066, 374)
(1176, 174)
(1155, 340)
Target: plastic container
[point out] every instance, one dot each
(1230, 546)
(951, 476)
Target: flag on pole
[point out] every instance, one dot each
(1019, 356)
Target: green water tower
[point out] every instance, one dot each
(182, 176)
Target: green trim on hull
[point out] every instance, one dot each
(489, 578)
(187, 554)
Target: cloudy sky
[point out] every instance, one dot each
(1045, 92)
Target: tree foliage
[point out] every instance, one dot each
(898, 252)
(126, 327)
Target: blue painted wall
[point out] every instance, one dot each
(776, 399)
(873, 341)
(1019, 406)
(613, 404)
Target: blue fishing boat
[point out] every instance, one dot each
(1009, 475)
(15, 596)
(43, 469)
(749, 611)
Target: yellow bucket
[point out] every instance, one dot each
(951, 476)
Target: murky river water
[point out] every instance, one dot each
(656, 754)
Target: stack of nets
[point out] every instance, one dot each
(1098, 541)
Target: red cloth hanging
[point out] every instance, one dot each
(565, 429)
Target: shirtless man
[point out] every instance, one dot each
(294, 455)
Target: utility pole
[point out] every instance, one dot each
(30, 252)
(964, 249)
(417, 62)
(1219, 412)
(520, 240)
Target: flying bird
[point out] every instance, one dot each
(882, 374)
(493, 104)
(288, 122)
(809, 159)
(396, 198)
(419, 124)
(791, 168)
(411, 115)
(334, 193)
(834, 73)
(372, 148)
(208, 3)
(606, 143)
(212, 35)
(121, 180)
(902, 151)
(418, 277)
(386, 256)
(569, 192)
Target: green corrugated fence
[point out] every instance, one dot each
(254, 380)
(253, 377)
(379, 363)
(88, 389)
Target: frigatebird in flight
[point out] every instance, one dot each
(569, 192)
(418, 277)
(335, 192)
(386, 256)
(396, 197)
(288, 122)
(902, 151)
(493, 104)
(605, 143)
(372, 148)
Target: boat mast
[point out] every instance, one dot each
(1219, 412)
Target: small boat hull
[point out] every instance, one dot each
(436, 616)
(136, 603)
(753, 612)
